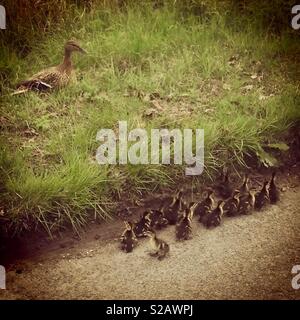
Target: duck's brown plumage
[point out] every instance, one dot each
(246, 202)
(184, 226)
(128, 238)
(143, 224)
(158, 219)
(213, 219)
(172, 212)
(53, 77)
(202, 208)
(244, 189)
(262, 197)
(160, 247)
(232, 204)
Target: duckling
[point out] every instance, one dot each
(184, 226)
(246, 202)
(171, 213)
(142, 225)
(159, 246)
(244, 189)
(231, 206)
(201, 209)
(53, 77)
(262, 196)
(224, 188)
(128, 238)
(214, 218)
(273, 190)
(157, 218)
(186, 206)
(191, 206)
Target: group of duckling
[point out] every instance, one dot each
(234, 202)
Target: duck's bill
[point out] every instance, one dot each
(82, 51)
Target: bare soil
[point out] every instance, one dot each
(248, 257)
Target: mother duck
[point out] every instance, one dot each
(53, 77)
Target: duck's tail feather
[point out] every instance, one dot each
(35, 85)
(19, 91)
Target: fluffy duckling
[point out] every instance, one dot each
(143, 225)
(247, 202)
(262, 196)
(128, 238)
(158, 219)
(201, 209)
(184, 226)
(160, 247)
(191, 206)
(224, 188)
(231, 206)
(186, 206)
(214, 218)
(244, 188)
(171, 213)
(273, 190)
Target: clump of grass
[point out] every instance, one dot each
(235, 84)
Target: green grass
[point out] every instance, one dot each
(48, 143)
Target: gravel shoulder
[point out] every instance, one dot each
(248, 257)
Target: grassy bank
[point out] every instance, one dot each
(228, 75)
